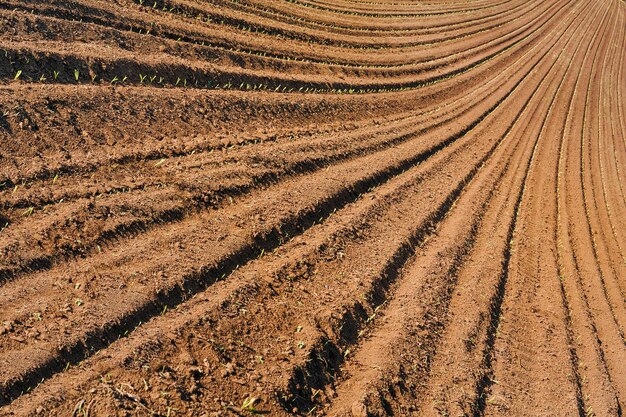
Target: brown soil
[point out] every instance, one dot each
(312, 207)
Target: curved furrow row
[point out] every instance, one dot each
(603, 280)
(430, 325)
(313, 20)
(203, 192)
(172, 212)
(460, 154)
(517, 357)
(189, 229)
(468, 333)
(114, 35)
(597, 217)
(35, 285)
(169, 72)
(591, 367)
(616, 197)
(415, 7)
(610, 253)
(353, 12)
(188, 31)
(312, 207)
(212, 40)
(31, 122)
(258, 25)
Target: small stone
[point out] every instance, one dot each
(229, 369)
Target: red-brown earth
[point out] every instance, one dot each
(312, 207)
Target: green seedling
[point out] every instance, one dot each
(79, 302)
(249, 405)
(76, 75)
(56, 74)
(17, 74)
(28, 211)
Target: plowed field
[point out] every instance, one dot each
(313, 208)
